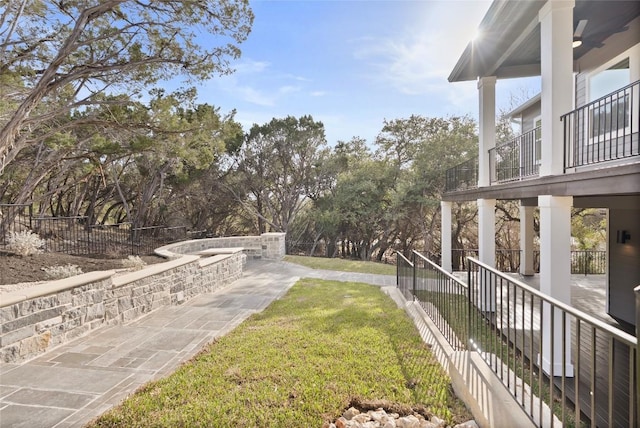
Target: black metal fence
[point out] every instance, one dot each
(14, 218)
(73, 235)
(586, 262)
(605, 129)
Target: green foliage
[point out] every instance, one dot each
(280, 167)
(299, 362)
(62, 58)
(589, 228)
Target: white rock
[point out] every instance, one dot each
(468, 424)
(362, 418)
(408, 422)
(350, 413)
(438, 422)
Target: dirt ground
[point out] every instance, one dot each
(15, 269)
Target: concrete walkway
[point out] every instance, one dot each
(78, 381)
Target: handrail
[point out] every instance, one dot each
(442, 271)
(600, 100)
(623, 336)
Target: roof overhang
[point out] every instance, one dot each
(509, 42)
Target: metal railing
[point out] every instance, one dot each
(517, 159)
(441, 295)
(587, 262)
(542, 348)
(72, 235)
(563, 366)
(14, 218)
(463, 176)
(603, 130)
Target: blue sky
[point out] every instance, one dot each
(352, 64)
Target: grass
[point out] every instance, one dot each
(301, 362)
(343, 265)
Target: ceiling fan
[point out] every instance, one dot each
(577, 34)
(593, 40)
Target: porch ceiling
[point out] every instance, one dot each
(510, 42)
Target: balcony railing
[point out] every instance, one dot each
(463, 176)
(583, 262)
(603, 130)
(588, 374)
(517, 159)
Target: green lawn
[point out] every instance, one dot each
(343, 265)
(303, 359)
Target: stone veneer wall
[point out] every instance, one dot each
(269, 246)
(33, 320)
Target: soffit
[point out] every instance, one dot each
(510, 41)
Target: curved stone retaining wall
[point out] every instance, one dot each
(269, 246)
(33, 320)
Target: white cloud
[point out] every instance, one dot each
(419, 60)
(317, 93)
(288, 89)
(249, 66)
(254, 96)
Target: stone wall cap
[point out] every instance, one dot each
(153, 270)
(222, 250)
(52, 287)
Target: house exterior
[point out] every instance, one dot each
(579, 145)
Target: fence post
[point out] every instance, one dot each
(397, 270)
(469, 309)
(413, 260)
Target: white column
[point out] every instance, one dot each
(555, 277)
(556, 63)
(487, 250)
(526, 240)
(445, 235)
(487, 231)
(487, 126)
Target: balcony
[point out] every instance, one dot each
(603, 130)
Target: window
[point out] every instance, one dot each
(609, 112)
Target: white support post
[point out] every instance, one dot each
(487, 250)
(487, 126)
(526, 240)
(556, 66)
(555, 279)
(445, 233)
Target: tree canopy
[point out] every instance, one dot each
(61, 57)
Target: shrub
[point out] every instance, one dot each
(134, 262)
(59, 272)
(25, 243)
